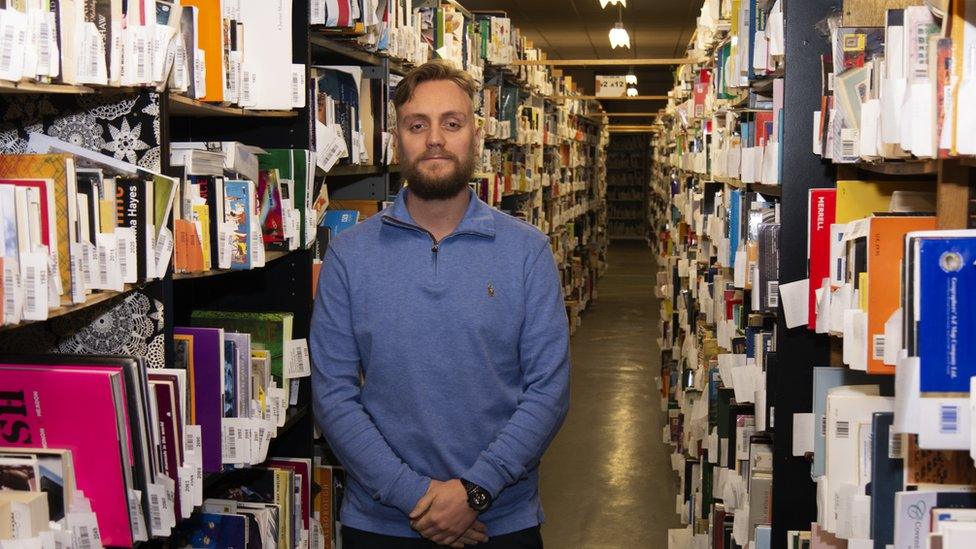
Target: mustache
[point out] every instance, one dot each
(441, 154)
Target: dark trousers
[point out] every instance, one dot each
(358, 539)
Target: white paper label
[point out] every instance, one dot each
(199, 74)
(34, 274)
(137, 518)
(257, 247)
(233, 442)
(84, 530)
(125, 238)
(158, 525)
(163, 251)
(297, 362)
(186, 475)
(298, 85)
(110, 267)
(13, 39)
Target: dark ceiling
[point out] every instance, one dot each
(578, 29)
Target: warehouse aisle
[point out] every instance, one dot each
(606, 479)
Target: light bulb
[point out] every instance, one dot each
(632, 79)
(631, 92)
(605, 3)
(619, 38)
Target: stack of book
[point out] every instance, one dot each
(77, 222)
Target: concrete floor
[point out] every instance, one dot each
(606, 481)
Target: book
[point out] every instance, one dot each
(822, 206)
(51, 419)
(269, 330)
(238, 207)
(207, 385)
(339, 220)
(886, 235)
(210, 37)
(60, 169)
(135, 212)
(887, 475)
(946, 272)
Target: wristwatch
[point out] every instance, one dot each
(478, 498)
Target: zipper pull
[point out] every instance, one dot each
(435, 248)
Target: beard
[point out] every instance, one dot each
(445, 184)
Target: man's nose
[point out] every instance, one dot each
(435, 137)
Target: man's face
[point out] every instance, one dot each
(437, 140)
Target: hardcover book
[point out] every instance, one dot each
(946, 271)
(207, 388)
(43, 409)
(268, 331)
(60, 169)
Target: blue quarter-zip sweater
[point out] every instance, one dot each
(439, 360)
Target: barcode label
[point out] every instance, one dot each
(245, 87)
(839, 272)
(843, 429)
(43, 47)
(83, 539)
(8, 40)
(155, 511)
(103, 262)
(317, 15)
(848, 143)
(894, 445)
(772, 293)
(35, 286)
(199, 74)
(948, 419)
(298, 86)
(88, 258)
(10, 284)
(878, 346)
(180, 66)
(823, 426)
(142, 55)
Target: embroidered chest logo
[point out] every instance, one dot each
(491, 290)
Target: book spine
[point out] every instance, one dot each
(130, 201)
(821, 217)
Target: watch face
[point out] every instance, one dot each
(479, 499)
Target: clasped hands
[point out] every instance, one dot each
(444, 516)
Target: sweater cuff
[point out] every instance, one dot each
(486, 476)
(407, 490)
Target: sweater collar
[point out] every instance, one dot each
(478, 218)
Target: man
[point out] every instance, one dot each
(440, 345)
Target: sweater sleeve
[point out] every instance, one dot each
(544, 352)
(336, 395)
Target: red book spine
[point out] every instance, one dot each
(821, 217)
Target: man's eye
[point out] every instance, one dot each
(453, 125)
(417, 127)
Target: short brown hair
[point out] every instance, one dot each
(437, 69)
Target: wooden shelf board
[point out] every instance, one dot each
(268, 257)
(35, 87)
(911, 167)
(93, 299)
(181, 105)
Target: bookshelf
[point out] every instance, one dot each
(627, 179)
(547, 169)
(703, 155)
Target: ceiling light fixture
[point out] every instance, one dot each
(619, 37)
(605, 3)
(631, 92)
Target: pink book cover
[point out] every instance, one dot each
(75, 409)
